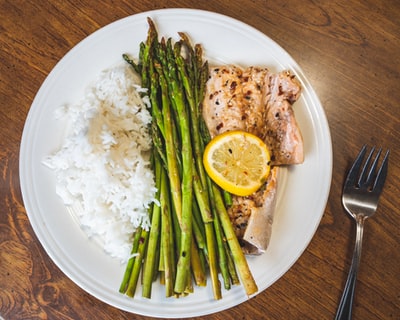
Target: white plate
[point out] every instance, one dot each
(303, 189)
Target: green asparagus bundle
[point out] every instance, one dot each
(191, 235)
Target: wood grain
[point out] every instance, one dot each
(349, 50)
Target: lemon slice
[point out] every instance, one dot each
(237, 161)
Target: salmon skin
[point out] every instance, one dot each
(260, 102)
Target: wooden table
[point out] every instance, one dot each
(350, 52)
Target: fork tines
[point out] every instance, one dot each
(369, 177)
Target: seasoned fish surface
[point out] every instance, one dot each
(252, 216)
(260, 102)
(257, 101)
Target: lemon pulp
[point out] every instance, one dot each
(237, 161)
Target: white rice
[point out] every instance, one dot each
(103, 164)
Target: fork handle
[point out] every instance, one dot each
(346, 302)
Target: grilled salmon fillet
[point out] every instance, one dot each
(257, 101)
(260, 102)
(252, 216)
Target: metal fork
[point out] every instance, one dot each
(360, 197)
